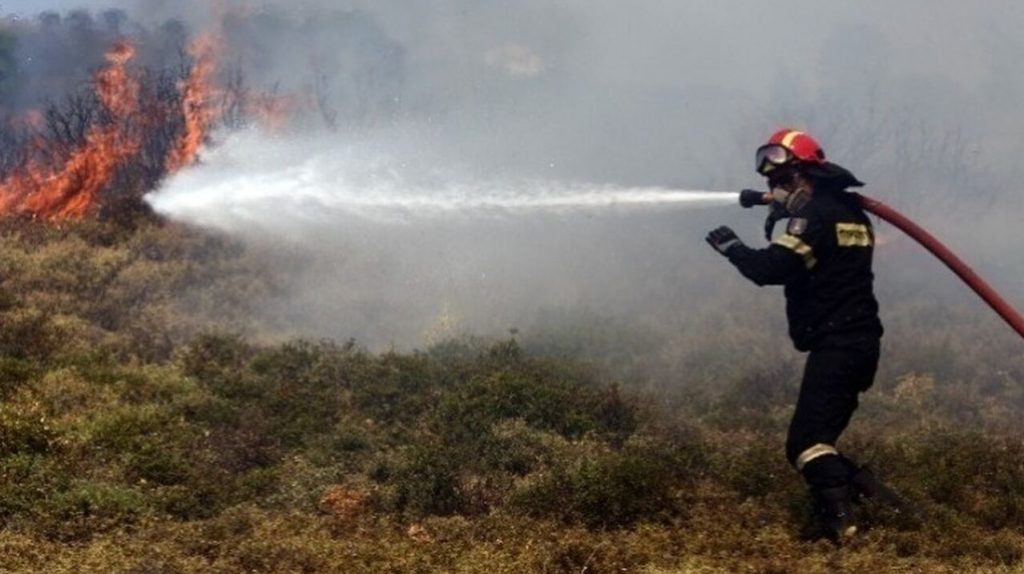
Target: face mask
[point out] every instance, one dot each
(784, 204)
(792, 194)
(796, 200)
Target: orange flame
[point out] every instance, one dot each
(70, 190)
(31, 120)
(197, 93)
(273, 111)
(70, 187)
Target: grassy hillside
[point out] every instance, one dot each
(141, 433)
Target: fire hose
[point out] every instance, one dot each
(750, 198)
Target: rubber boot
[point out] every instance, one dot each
(866, 484)
(835, 513)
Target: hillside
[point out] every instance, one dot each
(141, 433)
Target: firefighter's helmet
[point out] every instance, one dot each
(794, 148)
(788, 147)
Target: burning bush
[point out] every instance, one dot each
(73, 145)
(98, 151)
(91, 145)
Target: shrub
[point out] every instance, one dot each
(218, 361)
(24, 431)
(14, 373)
(978, 477)
(606, 488)
(28, 333)
(752, 465)
(393, 390)
(26, 481)
(516, 448)
(427, 481)
(545, 394)
(89, 508)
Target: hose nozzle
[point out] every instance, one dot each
(752, 198)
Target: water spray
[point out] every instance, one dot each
(751, 198)
(255, 182)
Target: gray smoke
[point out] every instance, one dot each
(919, 99)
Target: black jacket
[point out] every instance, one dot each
(824, 261)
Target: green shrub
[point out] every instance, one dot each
(545, 394)
(150, 443)
(14, 373)
(299, 389)
(218, 361)
(394, 390)
(198, 499)
(606, 488)
(28, 333)
(516, 448)
(24, 430)
(427, 482)
(88, 508)
(26, 481)
(753, 465)
(977, 476)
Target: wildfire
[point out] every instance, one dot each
(197, 92)
(30, 120)
(272, 111)
(70, 190)
(54, 182)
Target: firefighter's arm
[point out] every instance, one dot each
(787, 257)
(771, 266)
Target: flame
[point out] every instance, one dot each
(55, 183)
(274, 112)
(198, 92)
(70, 190)
(32, 120)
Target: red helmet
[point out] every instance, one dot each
(788, 147)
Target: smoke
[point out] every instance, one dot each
(408, 100)
(648, 94)
(399, 248)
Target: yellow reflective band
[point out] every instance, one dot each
(816, 451)
(853, 235)
(787, 140)
(797, 245)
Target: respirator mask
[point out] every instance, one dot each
(789, 193)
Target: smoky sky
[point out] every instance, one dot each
(919, 98)
(643, 92)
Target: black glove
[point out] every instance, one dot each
(723, 239)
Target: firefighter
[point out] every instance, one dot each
(824, 261)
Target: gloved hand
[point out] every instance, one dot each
(723, 239)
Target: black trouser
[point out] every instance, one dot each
(835, 374)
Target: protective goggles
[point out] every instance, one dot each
(772, 156)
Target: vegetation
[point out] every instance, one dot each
(141, 432)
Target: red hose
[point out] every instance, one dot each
(975, 282)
